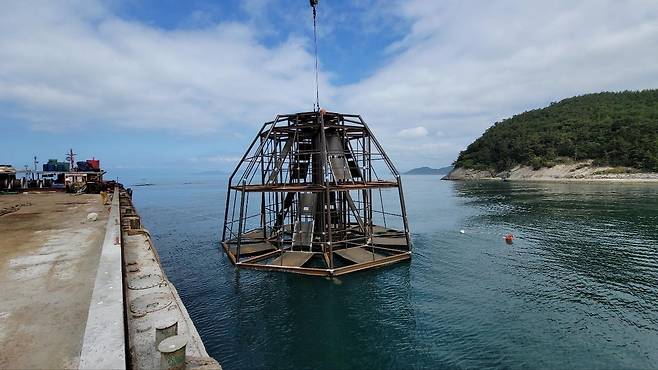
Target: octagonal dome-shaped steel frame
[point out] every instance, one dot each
(315, 194)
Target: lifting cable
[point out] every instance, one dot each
(316, 107)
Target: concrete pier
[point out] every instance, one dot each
(103, 346)
(49, 257)
(84, 292)
(153, 300)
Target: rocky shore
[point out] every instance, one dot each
(580, 171)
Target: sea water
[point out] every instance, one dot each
(578, 288)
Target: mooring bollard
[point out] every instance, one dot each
(165, 328)
(135, 224)
(172, 353)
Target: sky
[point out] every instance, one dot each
(160, 84)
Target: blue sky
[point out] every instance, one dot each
(156, 84)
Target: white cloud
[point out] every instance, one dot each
(466, 64)
(413, 133)
(214, 159)
(67, 63)
(462, 66)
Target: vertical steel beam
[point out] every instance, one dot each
(403, 208)
(241, 222)
(368, 150)
(276, 201)
(326, 190)
(366, 167)
(262, 196)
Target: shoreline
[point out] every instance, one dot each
(576, 172)
(563, 180)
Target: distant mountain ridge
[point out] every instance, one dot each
(429, 171)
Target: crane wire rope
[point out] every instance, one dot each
(316, 106)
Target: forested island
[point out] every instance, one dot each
(607, 134)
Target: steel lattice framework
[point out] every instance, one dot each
(315, 194)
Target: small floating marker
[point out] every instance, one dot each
(462, 231)
(509, 238)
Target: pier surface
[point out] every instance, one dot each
(49, 256)
(84, 292)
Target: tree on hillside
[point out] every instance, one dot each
(617, 129)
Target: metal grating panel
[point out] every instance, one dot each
(307, 202)
(303, 234)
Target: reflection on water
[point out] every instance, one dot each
(577, 288)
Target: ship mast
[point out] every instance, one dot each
(70, 156)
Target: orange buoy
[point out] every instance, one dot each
(509, 238)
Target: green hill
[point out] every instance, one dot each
(611, 128)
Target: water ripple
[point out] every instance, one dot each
(576, 289)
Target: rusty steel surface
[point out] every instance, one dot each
(315, 194)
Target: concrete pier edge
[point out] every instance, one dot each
(104, 343)
(152, 299)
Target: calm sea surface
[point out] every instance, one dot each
(577, 289)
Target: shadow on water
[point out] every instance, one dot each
(575, 289)
(280, 320)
